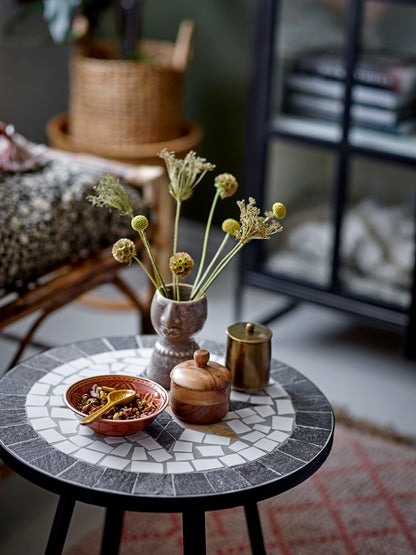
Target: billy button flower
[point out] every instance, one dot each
(226, 185)
(230, 226)
(140, 223)
(279, 210)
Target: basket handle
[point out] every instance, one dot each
(182, 51)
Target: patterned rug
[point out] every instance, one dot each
(362, 501)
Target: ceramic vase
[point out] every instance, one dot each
(175, 323)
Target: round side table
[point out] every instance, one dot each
(270, 441)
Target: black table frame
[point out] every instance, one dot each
(193, 509)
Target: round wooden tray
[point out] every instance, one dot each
(59, 137)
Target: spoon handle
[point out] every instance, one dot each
(96, 414)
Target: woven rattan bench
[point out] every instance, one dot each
(42, 282)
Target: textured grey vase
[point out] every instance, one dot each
(175, 322)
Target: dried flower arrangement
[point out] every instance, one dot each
(184, 175)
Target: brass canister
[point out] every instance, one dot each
(248, 355)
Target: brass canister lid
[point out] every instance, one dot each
(249, 332)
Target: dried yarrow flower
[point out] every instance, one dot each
(184, 174)
(111, 194)
(254, 226)
(124, 251)
(181, 264)
(226, 185)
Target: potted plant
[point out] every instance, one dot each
(125, 92)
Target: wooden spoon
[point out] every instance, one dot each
(116, 397)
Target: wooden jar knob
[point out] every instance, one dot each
(201, 358)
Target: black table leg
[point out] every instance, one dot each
(113, 525)
(193, 527)
(254, 529)
(60, 526)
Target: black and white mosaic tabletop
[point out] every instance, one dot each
(266, 434)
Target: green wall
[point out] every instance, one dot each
(216, 84)
(36, 84)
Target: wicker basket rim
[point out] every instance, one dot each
(122, 65)
(56, 130)
(161, 50)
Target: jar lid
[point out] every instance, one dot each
(201, 374)
(248, 332)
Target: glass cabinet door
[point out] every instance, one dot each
(378, 233)
(301, 177)
(375, 243)
(315, 142)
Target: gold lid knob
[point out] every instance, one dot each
(249, 328)
(249, 332)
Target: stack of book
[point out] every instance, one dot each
(383, 93)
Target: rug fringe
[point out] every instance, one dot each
(342, 416)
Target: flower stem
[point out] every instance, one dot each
(205, 244)
(158, 277)
(175, 288)
(210, 266)
(143, 267)
(176, 229)
(178, 292)
(224, 262)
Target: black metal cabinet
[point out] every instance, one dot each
(262, 130)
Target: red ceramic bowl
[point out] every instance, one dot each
(118, 427)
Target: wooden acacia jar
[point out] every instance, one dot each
(200, 389)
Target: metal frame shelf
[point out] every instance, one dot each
(345, 141)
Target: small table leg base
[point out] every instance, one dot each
(113, 525)
(60, 526)
(193, 527)
(254, 529)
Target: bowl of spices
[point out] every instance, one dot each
(92, 394)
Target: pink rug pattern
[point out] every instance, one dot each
(362, 501)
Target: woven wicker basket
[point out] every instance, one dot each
(121, 103)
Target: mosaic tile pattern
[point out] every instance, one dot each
(257, 423)
(264, 437)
